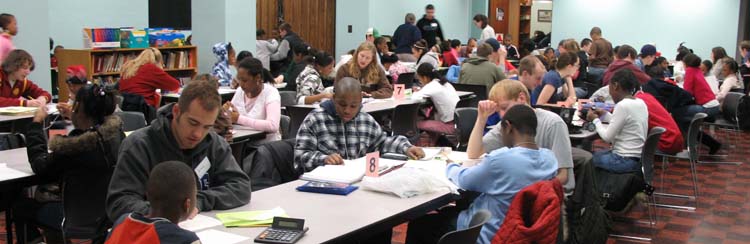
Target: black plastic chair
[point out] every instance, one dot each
(647, 162)
(297, 114)
(83, 200)
(284, 127)
(132, 120)
(730, 122)
(691, 155)
(468, 235)
(480, 91)
(464, 120)
(404, 121)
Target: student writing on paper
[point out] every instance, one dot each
(444, 99)
(83, 160)
(76, 80)
(181, 132)
(256, 104)
(498, 178)
(144, 74)
(310, 87)
(171, 191)
(338, 130)
(15, 89)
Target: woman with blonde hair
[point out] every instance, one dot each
(144, 74)
(363, 68)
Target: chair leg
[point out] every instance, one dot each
(670, 195)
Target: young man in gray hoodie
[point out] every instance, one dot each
(181, 132)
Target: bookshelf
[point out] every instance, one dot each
(516, 20)
(104, 64)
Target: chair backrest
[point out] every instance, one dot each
(464, 120)
(404, 120)
(132, 120)
(297, 114)
(84, 196)
(693, 132)
(238, 149)
(288, 98)
(12, 141)
(284, 127)
(649, 149)
(272, 163)
(406, 78)
(479, 90)
(730, 105)
(468, 235)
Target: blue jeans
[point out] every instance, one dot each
(615, 163)
(595, 74)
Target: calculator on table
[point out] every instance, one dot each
(283, 231)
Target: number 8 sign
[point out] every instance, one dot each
(372, 164)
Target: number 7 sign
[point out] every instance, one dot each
(399, 91)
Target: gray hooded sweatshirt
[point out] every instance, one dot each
(223, 186)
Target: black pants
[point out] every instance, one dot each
(29, 215)
(429, 228)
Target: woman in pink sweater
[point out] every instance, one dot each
(256, 105)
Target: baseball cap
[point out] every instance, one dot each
(494, 43)
(372, 31)
(648, 50)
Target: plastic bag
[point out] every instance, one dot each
(408, 182)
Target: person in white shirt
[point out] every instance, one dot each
(444, 98)
(729, 71)
(627, 128)
(706, 66)
(717, 56)
(264, 48)
(256, 105)
(481, 22)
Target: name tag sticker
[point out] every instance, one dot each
(202, 168)
(372, 164)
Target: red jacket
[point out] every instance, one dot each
(696, 84)
(543, 201)
(10, 96)
(450, 58)
(145, 82)
(671, 140)
(643, 78)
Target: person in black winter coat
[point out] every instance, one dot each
(430, 27)
(85, 157)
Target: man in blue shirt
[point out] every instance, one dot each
(500, 175)
(404, 37)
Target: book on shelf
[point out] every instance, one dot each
(112, 62)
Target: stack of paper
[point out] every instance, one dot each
(199, 222)
(350, 172)
(260, 218)
(9, 174)
(17, 110)
(219, 237)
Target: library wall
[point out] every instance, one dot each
(33, 36)
(68, 17)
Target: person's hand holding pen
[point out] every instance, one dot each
(415, 152)
(38, 102)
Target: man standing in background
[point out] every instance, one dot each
(430, 27)
(404, 37)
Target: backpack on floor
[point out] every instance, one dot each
(617, 189)
(589, 222)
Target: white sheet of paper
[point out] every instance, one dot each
(199, 222)
(430, 153)
(219, 237)
(8, 173)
